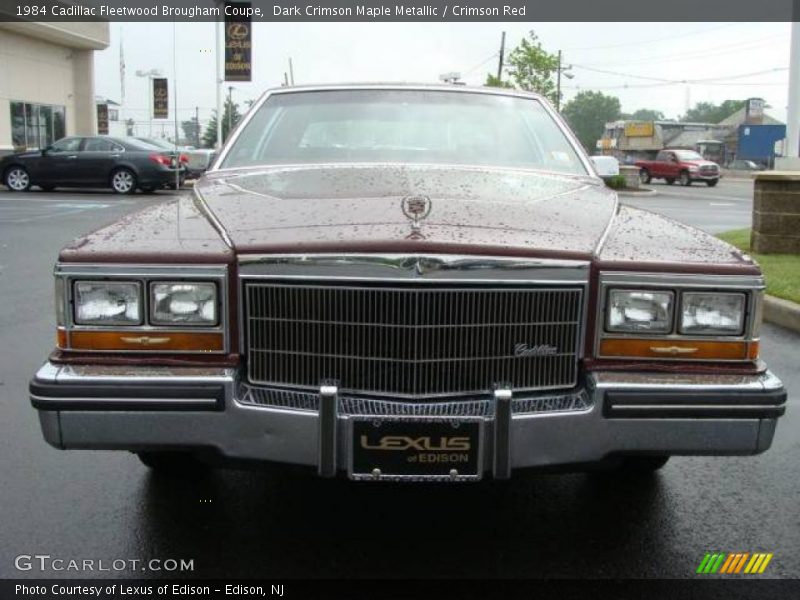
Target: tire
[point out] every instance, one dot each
(644, 176)
(670, 181)
(685, 179)
(123, 181)
(17, 179)
(712, 182)
(173, 463)
(642, 464)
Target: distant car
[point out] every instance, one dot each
(197, 159)
(685, 166)
(743, 165)
(123, 164)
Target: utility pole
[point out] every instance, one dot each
(502, 56)
(561, 69)
(197, 125)
(230, 110)
(793, 110)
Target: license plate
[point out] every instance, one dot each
(415, 449)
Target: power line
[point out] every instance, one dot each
(640, 43)
(713, 51)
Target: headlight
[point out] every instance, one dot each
(185, 303)
(639, 310)
(712, 313)
(107, 303)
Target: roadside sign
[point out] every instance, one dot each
(238, 43)
(160, 98)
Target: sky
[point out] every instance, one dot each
(645, 65)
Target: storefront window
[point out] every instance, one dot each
(36, 125)
(18, 125)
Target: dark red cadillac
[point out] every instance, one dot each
(406, 283)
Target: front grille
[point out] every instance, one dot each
(412, 341)
(709, 169)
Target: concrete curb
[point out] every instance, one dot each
(643, 194)
(782, 312)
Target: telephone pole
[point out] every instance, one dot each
(502, 56)
(197, 125)
(561, 69)
(230, 110)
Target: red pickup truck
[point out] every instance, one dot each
(684, 166)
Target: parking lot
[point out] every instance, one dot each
(272, 523)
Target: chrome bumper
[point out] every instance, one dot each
(161, 408)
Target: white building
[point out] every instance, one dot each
(47, 83)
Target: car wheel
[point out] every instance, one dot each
(670, 180)
(685, 179)
(171, 462)
(17, 179)
(644, 176)
(123, 181)
(712, 182)
(642, 464)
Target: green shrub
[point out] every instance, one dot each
(616, 182)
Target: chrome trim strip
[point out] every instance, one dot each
(110, 400)
(417, 267)
(559, 121)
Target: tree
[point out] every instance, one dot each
(230, 115)
(708, 112)
(530, 68)
(191, 131)
(588, 112)
(494, 81)
(645, 114)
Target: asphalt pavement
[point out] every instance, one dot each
(729, 205)
(271, 523)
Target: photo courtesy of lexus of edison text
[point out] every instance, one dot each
(375, 299)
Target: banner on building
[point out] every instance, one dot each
(102, 119)
(238, 43)
(160, 98)
(639, 129)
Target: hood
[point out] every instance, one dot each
(409, 208)
(700, 163)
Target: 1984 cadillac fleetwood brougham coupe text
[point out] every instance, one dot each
(406, 283)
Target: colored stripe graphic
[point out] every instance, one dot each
(734, 563)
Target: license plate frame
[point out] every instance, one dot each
(362, 461)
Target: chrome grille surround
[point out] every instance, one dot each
(574, 401)
(411, 326)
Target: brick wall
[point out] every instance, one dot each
(776, 213)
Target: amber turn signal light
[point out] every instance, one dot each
(136, 341)
(678, 349)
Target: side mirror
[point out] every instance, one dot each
(606, 166)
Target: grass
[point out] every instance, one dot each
(782, 271)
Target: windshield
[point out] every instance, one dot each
(156, 143)
(414, 126)
(688, 155)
